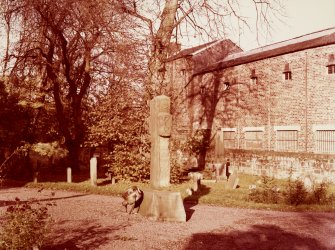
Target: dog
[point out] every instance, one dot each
(133, 198)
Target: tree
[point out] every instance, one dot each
(118, 119)
(120, 124)
(168, 20)
(14, 122)
(67, 57)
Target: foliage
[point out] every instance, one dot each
(119, 122)
(198, 142)
(296, 192)
(267, 192)
(319, 194)
(51, 149)
(18, 164)
(178, 165)
(26, 225)
(71, 57)
(15, 120)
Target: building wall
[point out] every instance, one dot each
(272, 106)
(301, 103)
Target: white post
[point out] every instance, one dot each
(69, 175)
(93, 171)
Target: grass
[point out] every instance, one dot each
(211, 193)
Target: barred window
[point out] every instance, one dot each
(229, 139)
(325, 141)
(288, 75)
(331, 64)
(287, 72)
(286, 140)
(253, 139)
(331, 69)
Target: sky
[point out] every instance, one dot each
(302, 17)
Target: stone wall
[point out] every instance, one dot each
(281, 165)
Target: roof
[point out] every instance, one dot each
(207, 54)
(312, 40)
(190, 51)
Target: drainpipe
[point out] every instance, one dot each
(269, 116)
(306, 104)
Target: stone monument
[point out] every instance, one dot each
(233, 180)
(160, 204)
(160, 123)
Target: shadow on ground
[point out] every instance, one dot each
(4, 203)
(88, 235)
(193, 200)
(262, 237)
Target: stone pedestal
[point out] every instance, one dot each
(163, 206)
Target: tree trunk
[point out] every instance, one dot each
(160, 48)
(74, 150)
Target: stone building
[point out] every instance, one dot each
(271, 110)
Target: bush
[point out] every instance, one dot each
(267, 192)
(26, 225)
(296, 192)
(319, 194)
(128, 164)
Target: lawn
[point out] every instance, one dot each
(211, 193)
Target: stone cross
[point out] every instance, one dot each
(160, 122)
(160, 204)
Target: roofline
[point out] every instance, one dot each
(200, 47)
(234, 59)
(211, 45)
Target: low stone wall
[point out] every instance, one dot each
(318, 167)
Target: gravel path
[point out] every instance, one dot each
(85, 221)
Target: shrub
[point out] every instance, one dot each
(319, 194)
(127, 164)
(267, 192)
(198, 142)
(296, 192)
(26, 225)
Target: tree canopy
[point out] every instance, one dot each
(92, 65)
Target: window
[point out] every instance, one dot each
(331, 64)
(325, 141)
(286, 140)
(288, 75)
(253, 77)
(253, 137)
(331, 69)
(287, 72)
(229, 140)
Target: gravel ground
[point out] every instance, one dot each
(85, 221)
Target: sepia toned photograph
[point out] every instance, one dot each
(167, 124)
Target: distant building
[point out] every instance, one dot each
(273, 101)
